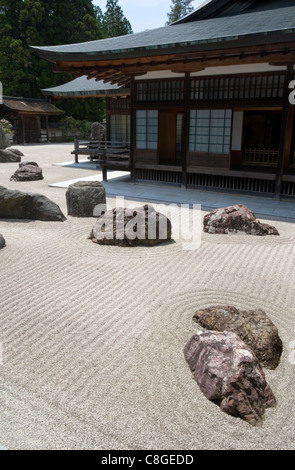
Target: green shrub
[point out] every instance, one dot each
(7, 127)
(71, 127)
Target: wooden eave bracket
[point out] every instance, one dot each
(121, 71)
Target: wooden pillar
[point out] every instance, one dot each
(38, 128)
(285, 135)
(288, 148)
(76, 149)
(23, 130)
(186, 129)
(132, 127)
(47, 127)
(236, 140)
(104, 174)
(108, 120)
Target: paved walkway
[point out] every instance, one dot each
(209, 200)
(119, 184)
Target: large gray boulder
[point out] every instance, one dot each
(8, 155)
(98, 131)
(2, 242)
(4, 143)
(235, 219)
(141, 226)
(20, 205)
(229, 374)
(27, 171)
(82, 198)
(253, 327)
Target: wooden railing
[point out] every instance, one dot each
(261, 157)
(101, 150)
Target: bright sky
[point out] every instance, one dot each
(145, 14)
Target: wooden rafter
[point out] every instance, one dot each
(107, 76)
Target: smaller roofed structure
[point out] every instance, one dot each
(83, 87)
(29, 117)
(117, 102)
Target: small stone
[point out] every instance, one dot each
(16, 151)
(28, 163)
(229, 374)
(7, 156)
(2, 242)
(27, 171)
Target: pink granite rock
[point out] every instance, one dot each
(229, 374)
(253, 327)
(141, 226)
(234, 219)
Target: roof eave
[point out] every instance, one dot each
(263, 38)
(89, 94)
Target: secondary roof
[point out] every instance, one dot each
(30, 106)
(84, 87)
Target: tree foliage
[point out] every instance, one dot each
(25, 23)
(114, 22)
(7, 127)
(91, 109)
(39, 22)
(72, 127)
(179, 8)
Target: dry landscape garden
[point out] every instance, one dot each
(114, 335)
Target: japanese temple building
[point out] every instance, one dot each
(208, 97)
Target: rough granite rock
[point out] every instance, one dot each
(16, 151)
(229, 374)
(27, 171)
(2, 242)
(19, 205)
(253, 327)
(235, 219)
(141, 226)
(82, 198)
(7, 155)
(4, 143)
(98, 131)
(28, 163)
